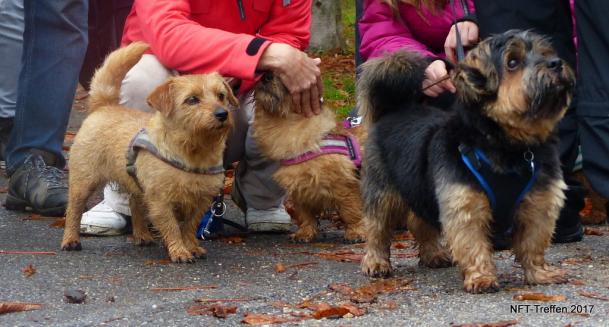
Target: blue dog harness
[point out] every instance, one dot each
(504, 190)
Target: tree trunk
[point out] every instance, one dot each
(326, 28)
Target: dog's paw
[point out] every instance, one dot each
(440, 259)
(182, 257)
(198, 252)
(143, 241)
(545, 274)
(303, 236)
(352, 237)
(481, 284)
(71, 246)
(376, 267)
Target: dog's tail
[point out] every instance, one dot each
(388, 83)
(106, 83)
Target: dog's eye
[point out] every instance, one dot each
(221, 97)
(192, 100)
(513, 64)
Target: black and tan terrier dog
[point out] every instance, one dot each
(488, 166)
(318, 159)
(170, 162)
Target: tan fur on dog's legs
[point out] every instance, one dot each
(141, 233)
(79, 191)
(307, 223)
(380, 217)
(431, 252)
(189, 230)
(164, 219)
(349, 202)
(466, 217)
(536, 219)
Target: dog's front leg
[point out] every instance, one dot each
(466, 215)
(192, 217)
(141, 233)
(164, 219)
(536, 219)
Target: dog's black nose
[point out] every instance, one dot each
(555, 64)
(221, 114)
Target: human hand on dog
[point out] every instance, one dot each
(299, 73)
(469, 37)
(435, 72)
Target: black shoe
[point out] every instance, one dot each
(569, 226)
(39, 187)
(6, 125)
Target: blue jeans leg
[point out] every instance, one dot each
(11, 45)
(55, 42)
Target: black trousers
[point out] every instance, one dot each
(593, 90)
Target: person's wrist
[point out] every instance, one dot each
(270, 59)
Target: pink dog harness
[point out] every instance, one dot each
(331, 144)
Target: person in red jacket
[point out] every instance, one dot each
(239, 39)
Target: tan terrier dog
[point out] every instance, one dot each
(317, 170)
(175, 160)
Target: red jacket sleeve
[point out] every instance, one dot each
(187, 46)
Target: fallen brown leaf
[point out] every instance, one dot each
(267, 319)
(183, 288)
(232, 239)
(368, 293)
(59, 223)
(216, 310)
(594, 295)
(404, 236)
(341, 255)
(29, 270)
(576, 260)
(503, 323)
(577, 282)
(331, 312)
(354, 310)
(280, 267)
(538, 297)
(27, 252)
(593, 231)
(247, 299)
(9, 307)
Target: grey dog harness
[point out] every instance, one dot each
(141, 140)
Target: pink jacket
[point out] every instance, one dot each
(422, 32)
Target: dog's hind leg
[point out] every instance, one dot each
(349, 202)
(536, 219)
(431, 252)
(307, 223)
(79, 191)
(466, 216)
(383, 207)
(163, 218)
(141, 233)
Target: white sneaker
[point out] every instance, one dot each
(107, 217)
(102, 220)
(269, 220)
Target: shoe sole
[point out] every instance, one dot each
(101, 231)
(269, 227)
(15, 204)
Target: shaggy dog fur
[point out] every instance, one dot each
(191, 125)
(512, 90)
(326, 182)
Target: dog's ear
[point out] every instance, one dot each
(477, 81)
(161, 99)
(230, 94)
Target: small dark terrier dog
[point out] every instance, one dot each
(433, 166)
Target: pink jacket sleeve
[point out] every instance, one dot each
(382, 33)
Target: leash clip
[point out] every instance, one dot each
(529, 156)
